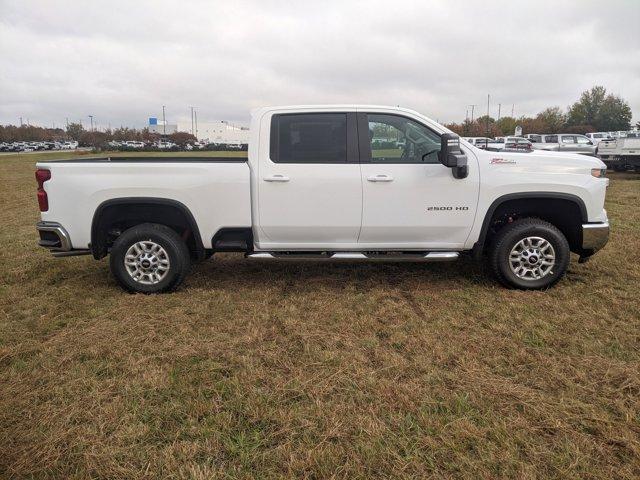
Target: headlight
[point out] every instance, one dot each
(598, 172)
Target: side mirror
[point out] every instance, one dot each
(452, 156)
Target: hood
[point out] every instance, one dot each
(544, 159)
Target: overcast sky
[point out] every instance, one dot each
(122, 60)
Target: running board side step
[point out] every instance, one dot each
(353, 256)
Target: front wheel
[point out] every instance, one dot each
(529, 254)
(149, 258)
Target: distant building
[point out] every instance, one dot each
(219, 132)
(158, 126)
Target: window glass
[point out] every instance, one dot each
(396, 139)
(568, 139)
(583, 140)
(310, 138)
(535, 138)
(499, 140)
(551, 139)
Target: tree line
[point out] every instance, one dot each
(86, 138)
(594, 111)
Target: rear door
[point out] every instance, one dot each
(411, 200)
(309, 185)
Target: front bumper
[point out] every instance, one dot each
(594, 236)
(55, 238)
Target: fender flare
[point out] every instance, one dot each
(478, 247)
(98, 250)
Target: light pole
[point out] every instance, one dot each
(192, 130)
(488, 99)
(164, 123)
(91, 119)
(195, 116)
(473, 107)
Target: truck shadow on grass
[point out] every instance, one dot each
(230, 272)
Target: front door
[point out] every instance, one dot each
(584, 145)
(569, 143)
(309, 186)
(411, 200)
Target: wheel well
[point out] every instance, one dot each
(115, 216)
(567, 214)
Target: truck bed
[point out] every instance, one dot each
(162, 159)
(620, 147)
(215, 190)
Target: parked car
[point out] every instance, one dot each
(312, 188)
(509, 143)
(566, 142)
(597, 137)
(480, 142)
(165, 145)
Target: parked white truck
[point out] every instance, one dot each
(621, 153)
(315, 186)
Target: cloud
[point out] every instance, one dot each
(121, 61)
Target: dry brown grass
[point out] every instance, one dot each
(308, 370)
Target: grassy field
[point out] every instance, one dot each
(316, 370)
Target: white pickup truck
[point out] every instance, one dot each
(315, 186)
(622, 153)
(563, 142)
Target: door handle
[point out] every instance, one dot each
(380, 178)
(276, 178)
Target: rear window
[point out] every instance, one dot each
(309, 138)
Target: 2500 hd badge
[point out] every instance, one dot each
(435, 209)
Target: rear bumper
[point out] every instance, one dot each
(55, 238)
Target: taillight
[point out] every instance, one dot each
(42, 176)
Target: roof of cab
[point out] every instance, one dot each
(258, 112)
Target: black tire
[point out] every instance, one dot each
(510, 236)
(174, 247)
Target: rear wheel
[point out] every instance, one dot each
(529, 254)
(149, 258)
